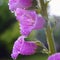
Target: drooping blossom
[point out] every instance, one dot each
(23, 47)
(29, 20)
(14, 4)
(55, 56)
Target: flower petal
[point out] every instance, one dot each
(39, 24)
(23, 47)
(14, 4)
(55, 56)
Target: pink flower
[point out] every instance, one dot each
(14, 4)
(55, 56)
(23, 47)
(29, 20)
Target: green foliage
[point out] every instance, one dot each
(10, 35)
(6, 18)
(34, 57)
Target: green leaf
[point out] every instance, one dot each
(37, 56)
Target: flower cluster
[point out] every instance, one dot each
(29, 20)
(55, 56)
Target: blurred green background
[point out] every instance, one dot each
(9, 32)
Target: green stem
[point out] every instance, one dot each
(49, 33)
(50, 40)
